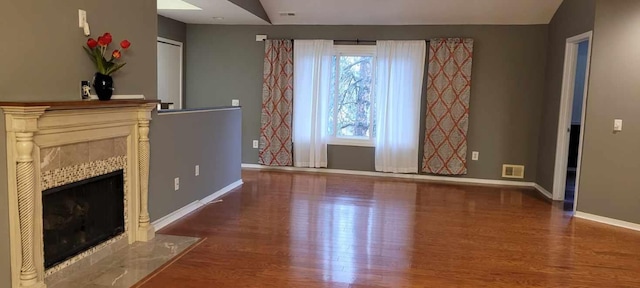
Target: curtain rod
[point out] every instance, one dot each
(361, 41)
(355, 40)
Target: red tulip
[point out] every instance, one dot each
(116, 54)
(107, 37)
(92, 43)
(102, 42)
(125, 44)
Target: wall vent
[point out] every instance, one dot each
(287, 14)
(513, 171)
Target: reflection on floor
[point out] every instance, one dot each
(570, 189)
(125, 267)
(286, 229)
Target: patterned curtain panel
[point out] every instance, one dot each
(448, 92)
(277, 104)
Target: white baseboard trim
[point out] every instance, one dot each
(543, 191)
(445, 179)
(195, 205)
(608, 221)
(221, 192)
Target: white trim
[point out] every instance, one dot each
(444, 179)
(181, 45)
(608, 221)
(169, 41)
(543, 191)
(564, 121)
(195, 205)
(221, 192)
(351, 141)
(355, 50)
(188, 111)
(118, 97)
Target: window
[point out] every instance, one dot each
(352, 102)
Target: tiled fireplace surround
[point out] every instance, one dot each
(54, 144)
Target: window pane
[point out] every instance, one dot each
(354, 99)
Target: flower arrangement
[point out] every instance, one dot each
(96, 49)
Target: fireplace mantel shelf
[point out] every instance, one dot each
(81, 104)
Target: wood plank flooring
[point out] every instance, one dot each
(283, 229)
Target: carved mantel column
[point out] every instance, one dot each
(21, 125)
(146, 231)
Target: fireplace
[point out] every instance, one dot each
(82, 214)
(54, 152)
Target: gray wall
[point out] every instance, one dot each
(46, 61)
(253, 6)
(574, 17)
(609, 182)
(177, 31)
(181, 141)
(225, 62)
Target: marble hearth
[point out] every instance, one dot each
(51, 144)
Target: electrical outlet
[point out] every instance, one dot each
(617, 125)
(475, 155)
(235, 102)
(176, 184)
(197, 170)
(256, 144)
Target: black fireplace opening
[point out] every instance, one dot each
(81, 215)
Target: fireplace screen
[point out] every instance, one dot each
(81, 215)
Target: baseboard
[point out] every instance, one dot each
(221, 192)
(608, 221)
(543, 191)
(444, 179)
(195, 205)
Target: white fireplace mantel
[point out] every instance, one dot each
(32, 126)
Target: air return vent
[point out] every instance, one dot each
(512, 171)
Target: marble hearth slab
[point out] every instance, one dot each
(125, 267)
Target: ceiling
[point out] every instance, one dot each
(232, 14)
(374, 12)
(411, 12)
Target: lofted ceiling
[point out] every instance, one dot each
(372, 12)
(213, 12)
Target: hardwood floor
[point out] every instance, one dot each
(286, 229)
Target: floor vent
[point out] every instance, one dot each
(513, 171)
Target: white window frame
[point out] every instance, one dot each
(353, 50)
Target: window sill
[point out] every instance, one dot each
(351, 142)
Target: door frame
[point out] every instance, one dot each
(180, 45)
(564, 122)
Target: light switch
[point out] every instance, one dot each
(235, 102)
(82, 18)
(617, 125)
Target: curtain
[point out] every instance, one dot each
(277, 105)
(448, 92)
(400, 71)
(311, 89)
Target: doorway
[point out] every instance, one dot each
(170, 73)
(571, 123)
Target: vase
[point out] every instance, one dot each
(103, 85)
